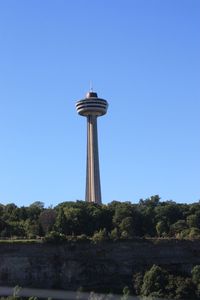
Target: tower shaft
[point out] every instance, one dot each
(93, 187)
(92, 107)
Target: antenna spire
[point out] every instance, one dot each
(91, 86)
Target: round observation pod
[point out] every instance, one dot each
(92, 105)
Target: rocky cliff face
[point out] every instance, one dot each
(103, 267)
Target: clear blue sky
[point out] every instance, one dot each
(142, 56)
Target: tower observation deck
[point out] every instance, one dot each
(92, 107)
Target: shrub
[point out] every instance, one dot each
(194, 233)
(171, 287)
(161, 228)
(54, 237)
(124, 235)
(178, 227)
(100, 236)
(127, 225)
(126, 293)
(114, 235)
(137, 283)
(185, 288)
(196, 274)
(193, 221)
(180, 288)
(82, 237)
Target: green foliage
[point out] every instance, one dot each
(137, 282)
(21, 241)
(193, 220)
(121, 220)
(82, 237)
(100, 236)
(194, 233)
(178, 227)
(154, 282)
(47, 220)
(127, 225)
(61, 222)
(158, 283)
(184, 288)
(122, 211)
(126, 293)
(168, 211)
(114, 234)
(34, 210)
(55, 237)
(196, 274)
(32, 228)
(161, 228)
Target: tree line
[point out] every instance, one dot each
(149, 217)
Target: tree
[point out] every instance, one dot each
(127, 226)
(193, 221)
(178, 227)
(100, 217)
(194, 233)
(32, 229)
(147, 209)
(154, 282)
(185, 288)
(137, 282)
(38, 204)
(122, 211)
(3, 225)
(21, 213)
(34, 210)
(161, 228)
(8, 213)
(16, 229)
(61, 222)
(153, 201)
(47, 220)
(196, 274)
(196, 279)
(73, 217)
(168, 211)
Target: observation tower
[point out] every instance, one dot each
(92, 107)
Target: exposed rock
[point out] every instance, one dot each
(107, 266)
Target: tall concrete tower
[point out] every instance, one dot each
(92, 107)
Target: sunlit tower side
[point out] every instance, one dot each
(92, 107)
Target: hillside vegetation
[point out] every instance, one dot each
(83, 221)
(116, 220)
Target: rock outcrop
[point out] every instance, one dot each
(106, 266)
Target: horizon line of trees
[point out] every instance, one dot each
(148, 218)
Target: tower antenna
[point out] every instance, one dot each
(91, 86)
